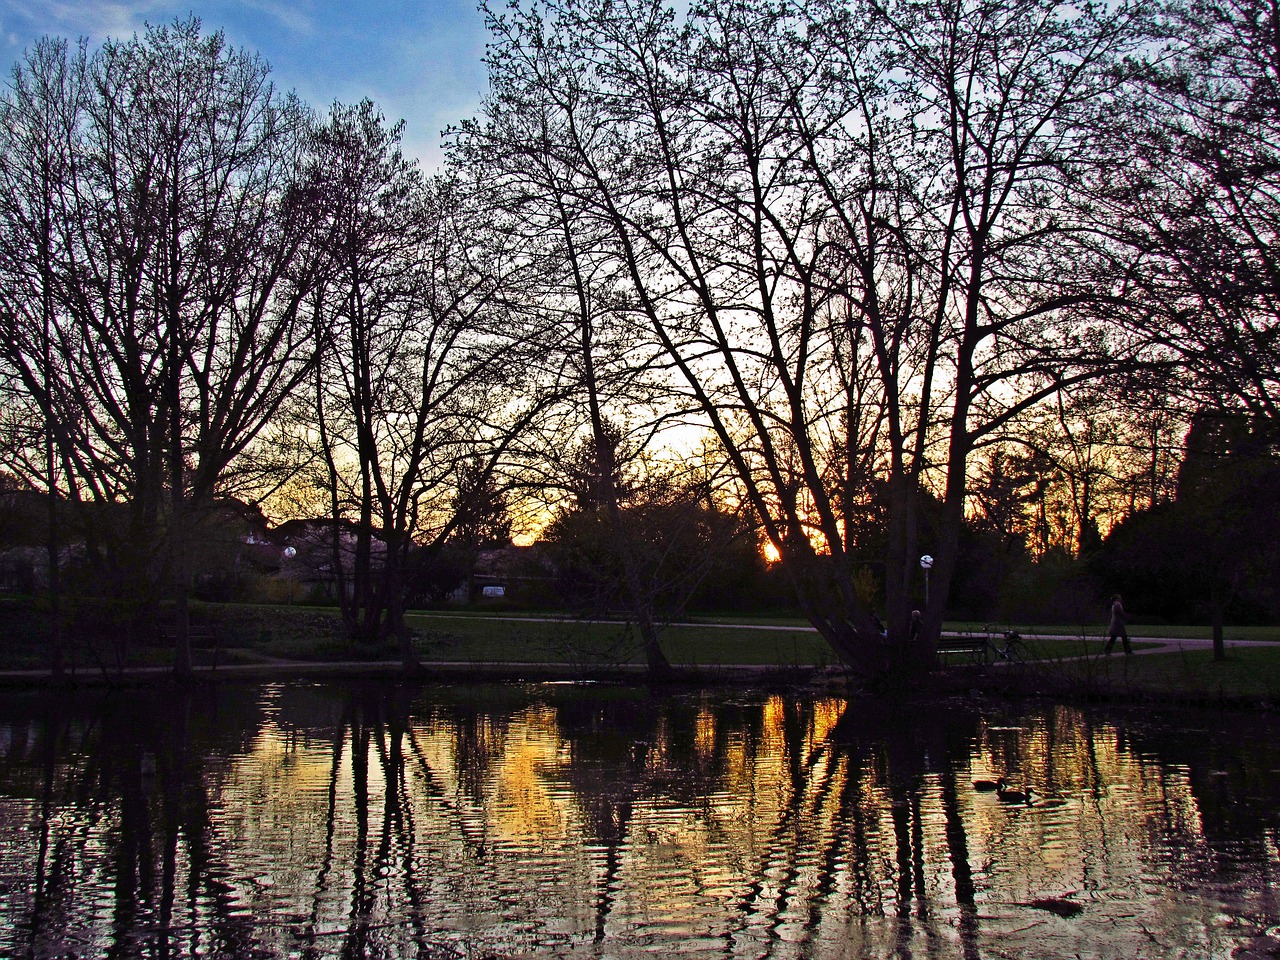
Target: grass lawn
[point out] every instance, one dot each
(1053, 648)
(1072, 658)
(488, 639)
(1247, 673)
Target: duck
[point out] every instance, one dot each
(1014, 796)
(986, 786)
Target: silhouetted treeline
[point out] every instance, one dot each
(854, 282)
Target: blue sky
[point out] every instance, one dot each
(420, 61)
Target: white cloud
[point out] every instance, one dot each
(295, 17)
(30, 19)
(417, 59)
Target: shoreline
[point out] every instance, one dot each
(990, 681)
(428, 672)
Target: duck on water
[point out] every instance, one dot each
(1004, 792)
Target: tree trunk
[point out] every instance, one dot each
(393, 624)
(180, 533)
(55, 572)
(182, 665)
(833, 609)
(656, 661)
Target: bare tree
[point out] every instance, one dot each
(1195, 189)
(641, 541)
(161, 261)
(609, 374)
(46, 93)
(1088, 459)
(966, 128)
(844, 224)
(427, 386)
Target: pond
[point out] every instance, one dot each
(503, 821)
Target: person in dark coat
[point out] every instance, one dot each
(1116, 628)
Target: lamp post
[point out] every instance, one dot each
(926, 563)
(288, 553)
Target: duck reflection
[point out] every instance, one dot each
(382, 820)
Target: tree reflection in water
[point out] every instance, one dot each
(384, 821)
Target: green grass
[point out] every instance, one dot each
(1044, 649)
(491, 640)
(1247, 673)
(248, 633)
(761, 620)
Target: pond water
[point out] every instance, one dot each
(375, 820)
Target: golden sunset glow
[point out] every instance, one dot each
(576, 825)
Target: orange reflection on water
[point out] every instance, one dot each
(608, 823)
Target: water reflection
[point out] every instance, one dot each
(505, 821)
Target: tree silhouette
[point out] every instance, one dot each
(153, 237)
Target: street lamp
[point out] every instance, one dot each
(926, 563)
(288, 553)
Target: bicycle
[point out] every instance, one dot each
(1009, 649)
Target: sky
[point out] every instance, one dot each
(418, 61)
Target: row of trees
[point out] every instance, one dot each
(206, 286)
(877, 255)
(154, 283)
(868, 240)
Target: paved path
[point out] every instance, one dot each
(1150, 645)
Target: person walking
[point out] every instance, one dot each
(1116, 628)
